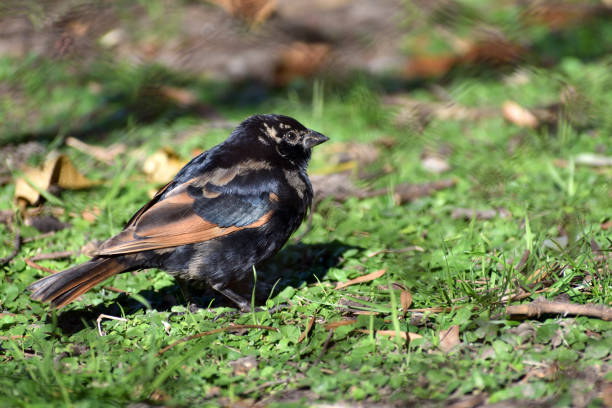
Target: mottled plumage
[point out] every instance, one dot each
(228, 209)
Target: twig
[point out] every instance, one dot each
(34, 265)
(105, 316)
(219, 330)
(543, 306)
(523, 261)
(114, 289)
(16, 248)
(52, 255)
(325, 346)
(308, 328)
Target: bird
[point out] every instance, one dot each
(228, 209)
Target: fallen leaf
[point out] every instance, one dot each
(251, 11)
(162, 165)
(307, 329)
(57, 170)
(406, 300)
(182, 96)
(449, 338)
(334, 325)
(516, 114)
(606, 225)
(435, 164)
(104, 154)
(364, 278)
(91, 214)
(392, 333)
(300, 60)
(429, 66)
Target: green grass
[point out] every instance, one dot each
(58, 358)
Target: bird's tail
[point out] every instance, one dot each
(63, 287)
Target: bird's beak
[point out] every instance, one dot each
(314, 138)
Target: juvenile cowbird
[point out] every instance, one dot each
(228, 209)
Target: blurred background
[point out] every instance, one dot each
(89, 68)
(469, 158)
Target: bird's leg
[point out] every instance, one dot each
(242, 303)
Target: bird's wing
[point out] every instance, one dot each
(191, 213)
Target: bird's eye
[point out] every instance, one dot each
(291, 136)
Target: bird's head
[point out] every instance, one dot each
(283, 135)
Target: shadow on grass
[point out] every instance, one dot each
(295, 265)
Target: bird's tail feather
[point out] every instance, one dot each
(63, 287)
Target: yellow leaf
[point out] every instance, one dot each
(57, 170)
(361, 279)
(162, 166)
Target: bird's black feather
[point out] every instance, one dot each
(228, 209)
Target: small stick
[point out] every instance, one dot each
(52, 255)
(325, 346)
(308, 328)
(114, 289)
(16, 248)
(543, 306)
(105, 316)
(34, 265)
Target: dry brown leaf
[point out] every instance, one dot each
(406, 300)
(91, 214)
(307, 329)
(516, 114)
(606, 225)
(300, 60)
(182, 96)
(57, 170)
(429, 66)
(392, 333)
(449, 338)
(334, 325)
(364, 278)
(162, 166)
(405, 296)
(251, 11)
(104, 154)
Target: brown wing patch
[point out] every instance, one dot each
(155, 199)
(169, 223)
